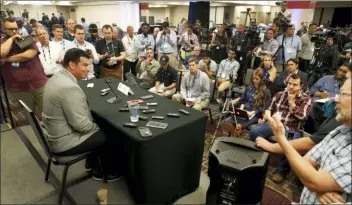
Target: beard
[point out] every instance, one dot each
(344, 116)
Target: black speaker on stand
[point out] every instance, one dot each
(237, 172)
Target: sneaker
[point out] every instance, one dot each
(88, 167)
(110, 178)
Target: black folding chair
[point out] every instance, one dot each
(66, 161)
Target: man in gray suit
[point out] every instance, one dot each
(67, 119)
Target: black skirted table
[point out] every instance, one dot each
(164, 167)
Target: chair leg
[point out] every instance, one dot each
(211, 116)
(63, 184)
(48, 170)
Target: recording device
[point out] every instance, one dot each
(158, 117)
(112, 100)
(252, 33)
(152, 104)
(142, 117)
(124, 109)
(129, 124)
(145, 97)
(105, 90)
(319, 38)
(145, 131)
(148, 111)
(155, 124)
(176, 115)
(104, 93)
(184, 111)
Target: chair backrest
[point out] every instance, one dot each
(37, 129)
(248, 78)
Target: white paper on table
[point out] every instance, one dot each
(90, 85)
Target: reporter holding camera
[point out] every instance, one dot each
(80, 43)
(188, 42)
(21, 69)
(166, 44)
(111, 54)
(306, 54)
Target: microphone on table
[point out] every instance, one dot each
(112, 100)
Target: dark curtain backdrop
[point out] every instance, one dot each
(199, 11)
(342, 17)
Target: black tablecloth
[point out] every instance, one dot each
(164, 167)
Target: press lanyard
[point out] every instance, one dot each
(286, 40)
(189, 85)
(336, 87)
(108, 48)
(48, 52)
(85, 46)
(189, 38)
(129, 41)
(145, 40)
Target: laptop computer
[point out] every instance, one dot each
(242, 114)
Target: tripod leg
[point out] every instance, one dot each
(7, 101)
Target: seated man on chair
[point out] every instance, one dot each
(67, 119)
(194, 88)
(147, 71)
(207, 65)
(228, 68)
(195, 55)
(166, 78)
(294, 106)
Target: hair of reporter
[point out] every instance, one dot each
(259, 98)
(10, 20)
(295, 77)
(55, 26)
(145, 24)
(77, 27)
(74, 55)
(193, 60)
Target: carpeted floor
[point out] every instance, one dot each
(284, 193)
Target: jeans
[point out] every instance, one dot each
(266, 132)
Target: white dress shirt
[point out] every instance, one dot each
(86, 45)
(48, 57)
(130, 48)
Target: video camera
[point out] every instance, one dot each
(319, 38)
(253, 34)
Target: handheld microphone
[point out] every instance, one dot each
(114, 99)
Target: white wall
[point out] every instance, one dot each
(301, 15)
(177, 13)
(123, 14)
(241, 9)
(158, 13)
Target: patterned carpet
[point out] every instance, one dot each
(284, 193)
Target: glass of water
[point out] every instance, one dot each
(133, 112)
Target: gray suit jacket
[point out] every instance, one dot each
(67, 118)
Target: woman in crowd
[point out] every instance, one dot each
(268, 68)
(255, 99)
(218, 45)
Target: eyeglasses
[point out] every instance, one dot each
(344, 94)
(11, 29)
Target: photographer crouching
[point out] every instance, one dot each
(21, 68)
(325, 61)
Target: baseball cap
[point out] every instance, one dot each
(164, 59)
(93, 28)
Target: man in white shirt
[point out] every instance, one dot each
(58, 32)
(80, 43)
(129, 42)
(166, 44)
(307, 51)
(144, 41)
(284, 14)
(49, 52)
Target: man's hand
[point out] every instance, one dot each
(263, 143)
(276, 126)
(261, 121)
(291, 98)
(324, 94)
(164, 90)
(14, 37)
(286, 80)
(111, 61)
(330, 197)
(261, 52)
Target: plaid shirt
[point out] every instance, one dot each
(334, 154)
(293, 119)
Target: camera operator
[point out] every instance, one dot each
(291, 46)
(302, 30)
(327, 61)
(306, 54)
(80, 43)
(188, 41)
(283, 16)
(21, 69)
(166, 44)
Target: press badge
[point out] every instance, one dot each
(217, 47)
(15, 65)
(289, 50)
(238, 48)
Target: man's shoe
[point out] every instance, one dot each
(88, 167)
(109, 178)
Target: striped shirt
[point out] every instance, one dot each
(292, 118)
